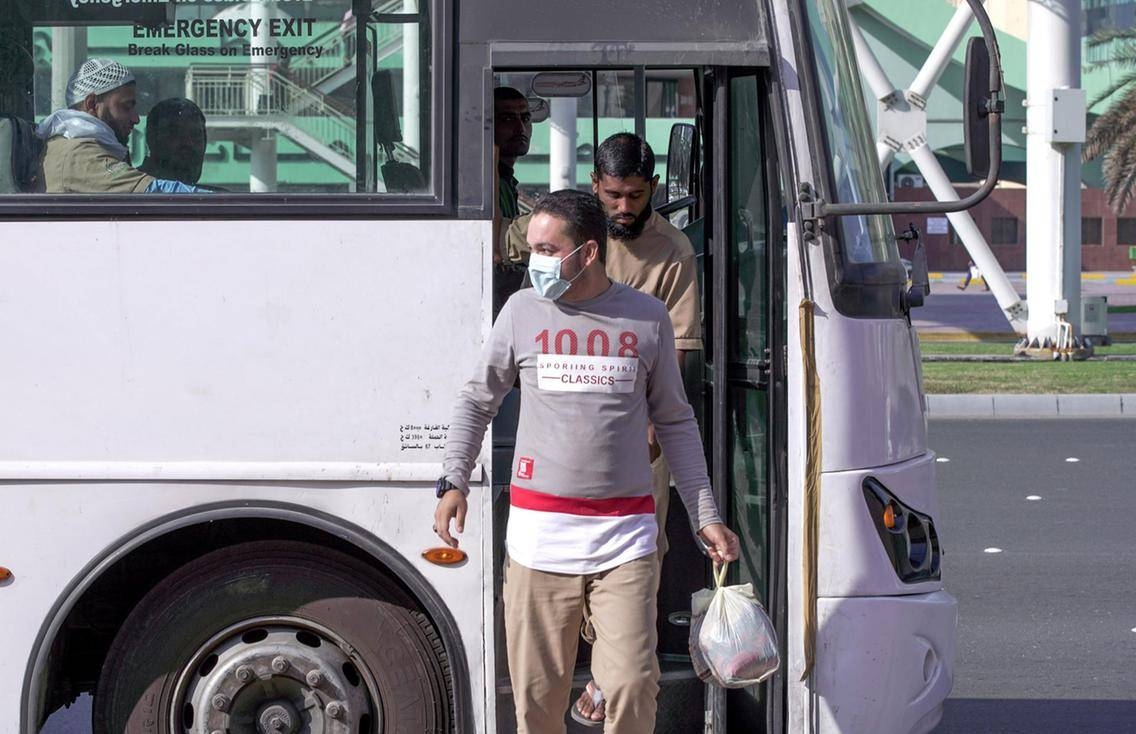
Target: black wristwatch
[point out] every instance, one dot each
(442, 486)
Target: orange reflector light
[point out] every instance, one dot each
(444, 556)
(5, 574)
(889, 516)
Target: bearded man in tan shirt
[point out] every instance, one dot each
(648, 253)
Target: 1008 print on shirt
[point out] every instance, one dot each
(567, 371)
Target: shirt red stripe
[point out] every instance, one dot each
(608, 507)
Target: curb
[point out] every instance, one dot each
(1032, 406)
(956, 334)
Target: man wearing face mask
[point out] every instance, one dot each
(86, 143)
(594, 358)
(648, 253)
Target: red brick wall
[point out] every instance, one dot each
(943, 255)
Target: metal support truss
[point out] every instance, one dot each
(902, 124)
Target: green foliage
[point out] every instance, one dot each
(1006, 348)
(1041, 377)
(1029, 378)
(1113, 134)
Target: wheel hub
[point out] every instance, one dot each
(278, 718)
(273, 679)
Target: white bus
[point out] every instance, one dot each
(224, 413)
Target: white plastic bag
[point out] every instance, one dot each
(732, 640)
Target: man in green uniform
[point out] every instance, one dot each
(512, 132)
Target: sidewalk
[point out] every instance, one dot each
(953, 314)
(1031, 406)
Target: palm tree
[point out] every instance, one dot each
(1113, 134)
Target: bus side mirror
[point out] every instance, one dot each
(976, 101)
(681, 164)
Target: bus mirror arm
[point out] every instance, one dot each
(991, 107)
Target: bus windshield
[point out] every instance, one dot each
(855, 170)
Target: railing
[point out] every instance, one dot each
(257, 92)
(337, 44)
(262, 91)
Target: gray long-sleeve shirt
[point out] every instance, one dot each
(592, 375)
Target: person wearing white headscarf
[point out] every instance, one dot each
(86, 143)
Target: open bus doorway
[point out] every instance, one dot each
(703, 189)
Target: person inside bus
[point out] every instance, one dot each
(582, 535)
(86, 143)
(512, 132)
(175, 141)
(646, 252)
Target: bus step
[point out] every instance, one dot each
(680, 701)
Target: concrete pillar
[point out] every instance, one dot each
(262, 166)
(562, 144)
(262, 171)
(68, 52)
(1053, 168)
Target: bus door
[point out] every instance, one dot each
(743, 323)
(665, 107)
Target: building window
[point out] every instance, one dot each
(1091, 231)
(1004, 231)
(1126, 231)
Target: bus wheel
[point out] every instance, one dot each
(274, 636)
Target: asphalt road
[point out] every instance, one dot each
(950, 311)
(1047, 623)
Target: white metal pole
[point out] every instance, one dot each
(1053, 172)
(411, 78)
(940, 185)
(562, 144)
(882, 88)
(885, 153)
(942, 53)
(870, 66)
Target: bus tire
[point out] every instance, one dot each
(291, 635)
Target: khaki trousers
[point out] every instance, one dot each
(543, 613)
(661, 490)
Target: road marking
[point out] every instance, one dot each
(942, 460)
(992, 550)
(1033, 497)
(1072, 460)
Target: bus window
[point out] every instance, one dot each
(274, 80)
(609, 107)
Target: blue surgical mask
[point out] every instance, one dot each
(544, 272)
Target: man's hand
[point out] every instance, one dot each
(452, 505)
(722, 543)
(653, 448)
